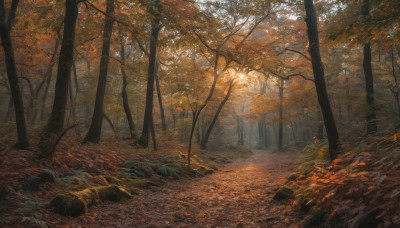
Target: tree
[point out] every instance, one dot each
(56, 121)
(154, 11)
(94, 132)
(319, 78)
(204, 140)
(369, 80)
(280, 136)
(124, 93)
(5, 27)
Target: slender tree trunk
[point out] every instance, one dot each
(153, 134)
(163, 125)
(94, 133)
(11, 14)
(369, 84)
(348, 101)
(110, 123)
(323, 99)
(194, 121)
(144, 138)
(10, 107)
(396, 81)
(238, 129)
(56, 122)
(369, 80)
(320, 133)
(125, 100)
(22, 140)
(280, 137)
(204, 141)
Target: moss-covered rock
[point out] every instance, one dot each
(77, 203)
(284, 193)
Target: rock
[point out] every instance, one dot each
(284, 193)
(315, 220)
(368, 220)
(293, 177)
(34, 182)
(77, 203)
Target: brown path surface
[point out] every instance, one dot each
(240, 195)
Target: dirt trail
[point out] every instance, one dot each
(240, 195)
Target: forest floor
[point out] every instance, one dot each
(239, 195)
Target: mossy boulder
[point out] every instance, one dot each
(77, 203)
(284, 193)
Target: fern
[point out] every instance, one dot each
(169, 170)
(140, 169)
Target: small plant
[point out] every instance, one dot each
(169, 170)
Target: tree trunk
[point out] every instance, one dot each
(125, 100)
(280, 137)
(261, 132)
(369, 80)
(22, 140)
(153, 134)
(369, 84)
(144, 138)
(163, 125)
(204, 141)
(319, 78)
(56, 122)
(395, 89)
(320, 133)
(11, 14)
(94, 132)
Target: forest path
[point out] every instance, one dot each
(240, 195)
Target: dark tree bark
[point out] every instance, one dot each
(319, 78)
(124, 93)
(153, 134)
(395, 89)
(204, 140)
(94, 132)
(320, 133)
(369, 80)
(163, 125)
(11, 14)
(369, 85)
(22, 139)
(110, 123)
(144, 138)
(280, 134)
(56, 122)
